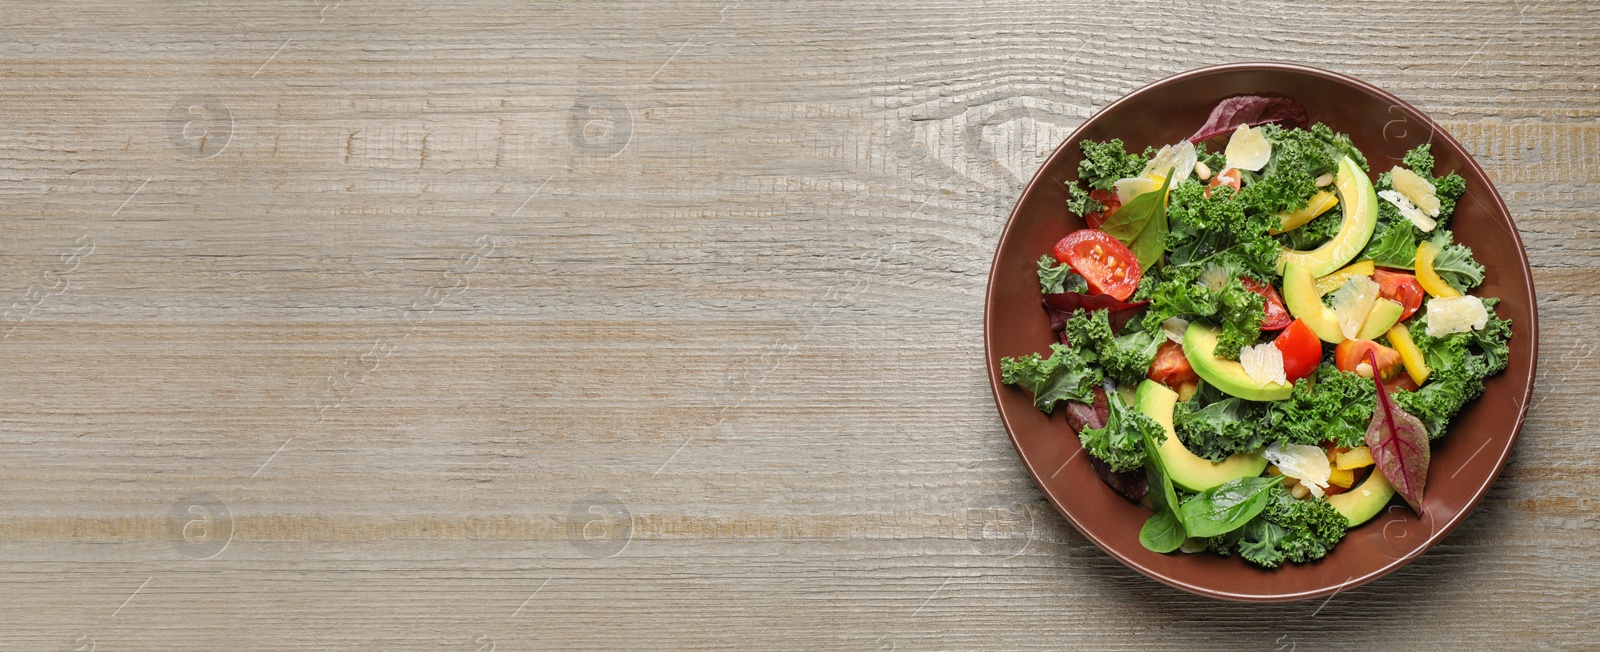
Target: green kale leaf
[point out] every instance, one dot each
(1056, 278)
(1106, 162)
(1121, 443)
(1065, 376)
(1126, 357)
(1288, 529)
(1213, 425)
(1233, 307)
(1454, 263)
(1331, 405)
(1459, 362)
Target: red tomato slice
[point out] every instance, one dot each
(1111, 202)
(1351, 354)
(1277, 316)
(1399, 382)
(1171, 367)
(1104, 262)
(1401, 288)
(1301, 349)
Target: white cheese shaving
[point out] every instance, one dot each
(1263, 363)
(1352, 302)
(1409, 210)
(1174, 328)
(1308, 464)
(1172, 160)
(1248, 149)
(1456, 315)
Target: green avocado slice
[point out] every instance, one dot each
(1199, 346)
(1186, 469)
(1360, 203)
(1365, 500)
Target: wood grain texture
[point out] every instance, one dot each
(499, 325)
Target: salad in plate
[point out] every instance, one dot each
(1258, 337)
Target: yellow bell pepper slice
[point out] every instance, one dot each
(1410, 355)
(1319, 204)
(1332, 281)
(1341, 477)
(1428, 278)
(1354, 458)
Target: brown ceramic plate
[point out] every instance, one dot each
(1465, 462)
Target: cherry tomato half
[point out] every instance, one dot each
(1301, 349)
(1171, 367)
(1277, 316)
(1401, 288)
(1109, 199)
(1104, 262)
(1351, 354)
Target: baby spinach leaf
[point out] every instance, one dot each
(1142, 225)
(1163, 532)
(1225, 507)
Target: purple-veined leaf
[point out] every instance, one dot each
(1399, 444)
(1253, 110)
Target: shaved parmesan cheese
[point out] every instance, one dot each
(1456, 315)
(1132, 187)
(1409, 210)
(1351, 303)
(1248, 149)
(1417, 189)
(1263, 363)
(1174, 328)
(1172, 160)
(1308, 464)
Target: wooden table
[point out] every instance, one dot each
(502, 325)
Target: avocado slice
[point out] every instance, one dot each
(1360, 204)
(1365, 500)
(1199, 346)
(1301, 298)
(1385, 314)
(1186, 469)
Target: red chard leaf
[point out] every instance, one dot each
(1252, 110)
(1061, 305)
(1399, 445)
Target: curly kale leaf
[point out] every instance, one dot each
(1079, 201)
(1395, 243)
(1460, 362)
(1299, 156)
(1233, 307)
(1332, 405)
(1120, 444)
(1454, 263)
(1217, 231)
(1064, 376)
(1105, 162)
(1214, 426)
(1056, 278)
(1126, 357)
(1288, 529)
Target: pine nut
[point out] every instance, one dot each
(1201, 170)
(1324, 180)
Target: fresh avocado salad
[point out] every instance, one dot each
(1258, 336)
